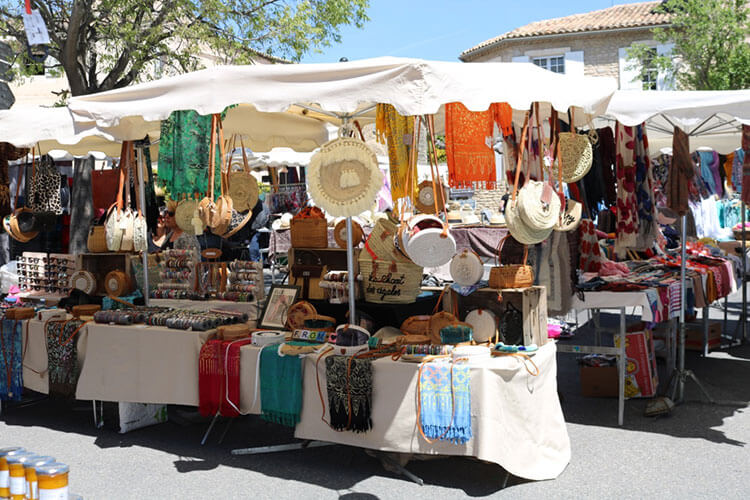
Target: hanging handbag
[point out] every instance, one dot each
(516, 224)
(112, 225)
(243, 187)
(140, 227)
(511, 325)
(44, 192)
(511, 275)
(576, 153)
(207, 205)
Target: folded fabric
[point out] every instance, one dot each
(280, 387)
(445, 402)
(349, 393)
(11, 371)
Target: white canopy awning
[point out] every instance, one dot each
(346, 89)
(711, 118)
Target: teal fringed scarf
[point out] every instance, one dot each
(280, 387)
(437, 416)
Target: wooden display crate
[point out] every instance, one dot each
(99, 264)
(317, 261)
(531, 301)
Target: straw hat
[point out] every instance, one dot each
(282, 223)
(576, 156)
(10, 223)
(343, 177)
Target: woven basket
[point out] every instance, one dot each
(309, 232)
(416, 325)
(380, 244)
(19, 313)
(511, 275)
(97, 241)
(576, 156)
(85, 310)
(117, 283)
(438, 321)
(339, 234)
(389, 282)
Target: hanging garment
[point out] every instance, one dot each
(396, 131)
(151, 209)
(647, 227)
(590, 253)
(746, 164)
(183, 155)
(349, 390)
(280, 387)
(468, 144)
(592, 183)
(62, 357)
(608, 154)
(727, 165)
(660, 168)
(8, 152)
(627, 201)
(737, 161)
(82, 204)
(445, 402)
(710, 171)
(11, 362)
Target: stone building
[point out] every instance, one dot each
(593, 44)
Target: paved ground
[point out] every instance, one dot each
(698, 451)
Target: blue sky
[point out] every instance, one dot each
(442, 29)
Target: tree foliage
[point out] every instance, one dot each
(711, 50)
(109, 44)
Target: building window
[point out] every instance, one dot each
(649, 71)
(555, 64)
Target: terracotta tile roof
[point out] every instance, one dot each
(620, 16)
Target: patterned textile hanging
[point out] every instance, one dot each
(11, 370)
(627, 201)
(396, 131)
(8, 152)
(681, 173)
(183, 154)
(648, 229)
(349, 393)
(62, 357)
(746, 164)
(468, 144)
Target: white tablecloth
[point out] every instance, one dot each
(615, 300)
(517, 421)
(141, 364)
(35, 374)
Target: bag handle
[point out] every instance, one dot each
(245, 165)
(222, 158)
(435, 172)
(500, 247)
(411, 170)
(211, 160)
(124, 153)
(519, 160)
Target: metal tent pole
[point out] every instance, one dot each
(350, 271)
(142, 191)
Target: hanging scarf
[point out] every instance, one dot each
(468, 144)
(445, 402)
(280, 387)
(397, 131)
(746, 164)
(62, 357)
(627, 202)
(681, 173)
(7, 152)
(738, 159)
(648, 229)
(183, 155)
(591, 255)
(11, 362)
(349, 397)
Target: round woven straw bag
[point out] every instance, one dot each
(344, 177)
(298, 313)
(570, 218)
(466, 268)
(511, 275)
(427, 241)
(518, 228)
(339, 234)
(117, 283)
(84, 281)
(243, 187)
(416, 325)
(484, 323)
(438, 321)
(425, 201)
(538, 205)
(186, 216)
(576, 156)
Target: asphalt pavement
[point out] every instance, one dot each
(700, 450)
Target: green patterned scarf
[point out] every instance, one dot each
(280, 387)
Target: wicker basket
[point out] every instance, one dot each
(97, 241)
(380, 243)
(511, 275)
(117, 283)
(19, 313)
(309, 232)
(85, 310)
(389, 282)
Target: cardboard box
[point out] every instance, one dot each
(641, 376)
(694, 335)
(599, 381)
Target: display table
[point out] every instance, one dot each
(517, 421)
(249, 308)
(141, 364)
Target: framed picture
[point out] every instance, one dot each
(279, 299)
